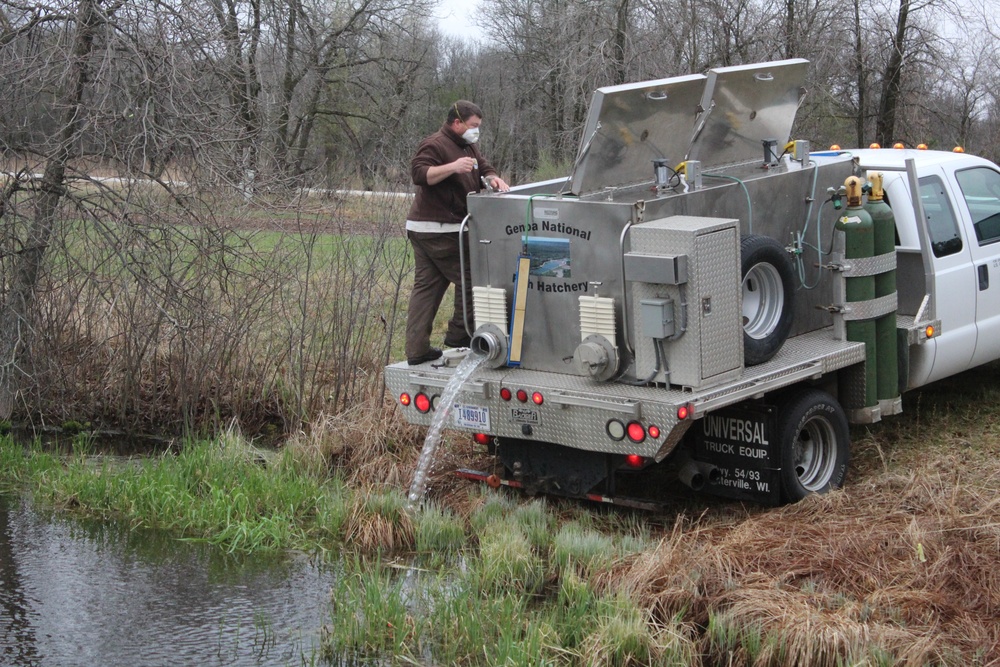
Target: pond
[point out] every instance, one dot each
(92, 593)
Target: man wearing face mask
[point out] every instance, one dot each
(446, 168)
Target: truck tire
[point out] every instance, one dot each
(768, 297)
(815, 444)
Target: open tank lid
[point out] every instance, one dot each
(719, 119)
(629, 126)
(745, 105)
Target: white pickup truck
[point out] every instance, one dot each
(694, 307)
(960, 197)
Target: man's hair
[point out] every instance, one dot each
(462, 110)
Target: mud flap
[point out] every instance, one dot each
(739, 447)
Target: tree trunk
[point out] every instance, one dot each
(860, 78)
(15, 311)
(620, 42)
(791, 49)
(886, 126)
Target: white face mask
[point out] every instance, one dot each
(471, 135)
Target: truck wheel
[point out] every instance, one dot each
(768, 295)
(815, 443)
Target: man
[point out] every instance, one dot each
(446, 167)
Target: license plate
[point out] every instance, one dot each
(472, 416)
(525, 416)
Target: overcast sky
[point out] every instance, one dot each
(456, 17)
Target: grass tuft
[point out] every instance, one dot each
(507, 562)
(587, 550)
(438, 530)
(378, 521)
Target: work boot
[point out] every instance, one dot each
(462, 341)
(429, 355)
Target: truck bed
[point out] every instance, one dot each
(571, 401)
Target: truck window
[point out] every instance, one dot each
(945, 239)
(981, 191)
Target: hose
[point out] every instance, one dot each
(745, 191)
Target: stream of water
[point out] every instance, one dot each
(463, 372)
(94, 594)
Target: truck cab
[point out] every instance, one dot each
(960, 198)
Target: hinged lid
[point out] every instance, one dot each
(719, 119)
(629, 126)
(745, 105)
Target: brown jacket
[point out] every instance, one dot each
(445, 201)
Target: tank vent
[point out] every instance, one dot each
(597, 317)
(490, 306)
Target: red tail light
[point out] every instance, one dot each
(481, 438)
(422, 403)
(654, 432)
(404, 399)
(537, 398)
(636, 433)
(633, 461)
(505, 394)
(522, 395)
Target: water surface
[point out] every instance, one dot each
(92, 594)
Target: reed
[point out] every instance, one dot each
(224, 492)
(379, 521)
(536, 522)
(587, 551)
(507, 562)
(370, 616)
(438, 530)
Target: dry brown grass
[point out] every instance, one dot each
(906, 558)
(911, 569)
(379, 522)
(901, 567)
(370, 443)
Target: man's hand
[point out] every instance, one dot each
(463, 165)
(499, 184)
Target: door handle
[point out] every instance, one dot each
(984, 276)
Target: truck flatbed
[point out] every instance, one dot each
(808, 356)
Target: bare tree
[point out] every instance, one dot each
(132, 286)
(88, 20)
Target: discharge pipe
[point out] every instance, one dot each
(694, 474)
(490, 342)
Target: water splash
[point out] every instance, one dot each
(441, 416)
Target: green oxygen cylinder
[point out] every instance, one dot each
(859, 243)
(885, 285)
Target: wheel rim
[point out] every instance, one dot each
(815, 453)
(763, 300)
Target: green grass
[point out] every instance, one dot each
(219, 491)
(398, 616)
(438, 530)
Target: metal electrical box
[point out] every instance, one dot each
(705, 345)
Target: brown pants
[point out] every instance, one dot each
(436, 266)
